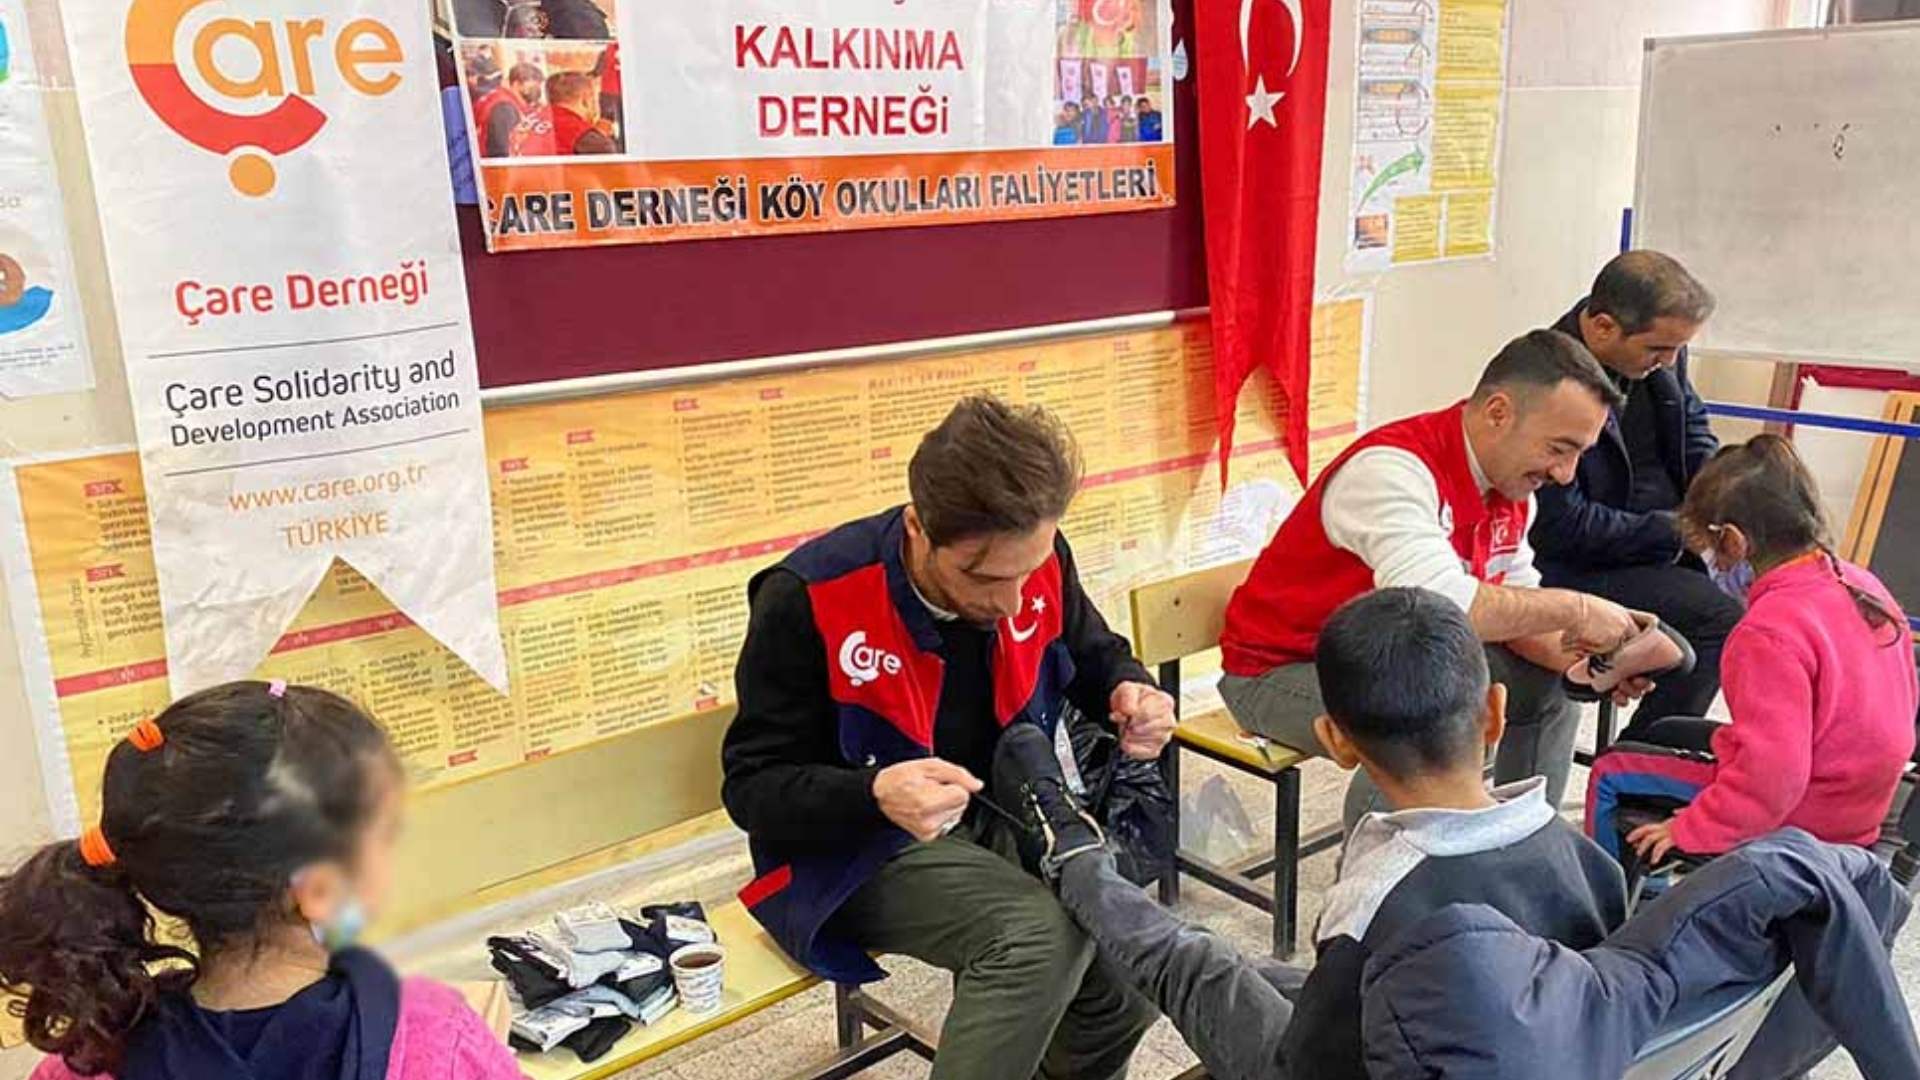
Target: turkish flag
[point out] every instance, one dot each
(1262, 66)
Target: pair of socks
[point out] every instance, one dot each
(664, 928)
(590, 1041)
(537, 976)
(591, 928)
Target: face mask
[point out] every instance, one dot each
(1734, 579)
(344, 928)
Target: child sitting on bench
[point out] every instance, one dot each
(1408, 699)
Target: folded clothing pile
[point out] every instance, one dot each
(584, 984)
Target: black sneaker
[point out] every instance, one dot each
(1027, 781)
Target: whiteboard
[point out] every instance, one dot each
(1783, 169)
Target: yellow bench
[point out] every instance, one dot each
(586, 807)
(1175, 619)
(759, 976)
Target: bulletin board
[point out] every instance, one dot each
(626, 527)
(545, 315)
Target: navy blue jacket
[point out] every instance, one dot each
(842, 678)
(1585, 525)
(1467, 995)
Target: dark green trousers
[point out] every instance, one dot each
(1030, 996)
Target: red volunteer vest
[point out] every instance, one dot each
(874, 664)
(1301, 578)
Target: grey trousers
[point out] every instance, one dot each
(1541, 723)
(1232, 1009)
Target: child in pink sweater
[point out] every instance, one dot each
(1819, 674)
(263, 817)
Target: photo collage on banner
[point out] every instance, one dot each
(617, 121)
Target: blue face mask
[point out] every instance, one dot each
(1735, 580)
(344, 929)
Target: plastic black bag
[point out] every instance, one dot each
(1128, 798)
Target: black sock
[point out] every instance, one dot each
(593, 1041)
(535, 978)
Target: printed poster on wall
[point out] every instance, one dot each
(1426, 131)
(623, 121)
(628, 526)
(43, 334)
(273, 192)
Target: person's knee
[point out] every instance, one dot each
(1037, 939)
(1536, 698)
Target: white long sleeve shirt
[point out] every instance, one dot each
(1384, 506)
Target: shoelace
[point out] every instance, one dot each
(1001, 812)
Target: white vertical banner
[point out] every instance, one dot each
(273, 189)
(43, 333)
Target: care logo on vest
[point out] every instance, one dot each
(1446, 517)
(1503, 538)
(245, 87)
(862, 663)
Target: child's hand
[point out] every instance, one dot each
(1633, 689)
(1652, 841)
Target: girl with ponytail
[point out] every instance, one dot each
(1819, 673)
(261, 817)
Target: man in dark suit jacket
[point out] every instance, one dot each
(1612, 531)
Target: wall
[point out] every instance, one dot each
(65, 422)
(1566, 172)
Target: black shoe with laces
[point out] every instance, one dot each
(1027, 782)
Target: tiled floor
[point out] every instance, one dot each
(790, 1036)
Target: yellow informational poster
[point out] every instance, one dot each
(1416, 228)
(626, 527)
(1469, 224)
(1427, 111)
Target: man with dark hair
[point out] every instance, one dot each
(1409, 701)
(499, 114)
(1440, 501)
(577, 20)
(1093, 121)
(1612, 531)
(1150, 123)
(881, 663)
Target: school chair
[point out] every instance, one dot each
(1706, 1037)
(1175, 619)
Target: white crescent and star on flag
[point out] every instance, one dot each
(1261, 102)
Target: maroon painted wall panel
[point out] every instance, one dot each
(589, 311)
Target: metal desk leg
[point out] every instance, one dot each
(1286, 861)
(1170, 769)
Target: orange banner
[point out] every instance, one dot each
(550, 205)
(620, 122)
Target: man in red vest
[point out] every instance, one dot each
(574, 97)
(881, 663)
(1440, 501)
(500, 113)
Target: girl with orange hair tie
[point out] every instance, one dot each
(263, 817)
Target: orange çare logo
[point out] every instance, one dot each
(252, 63)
